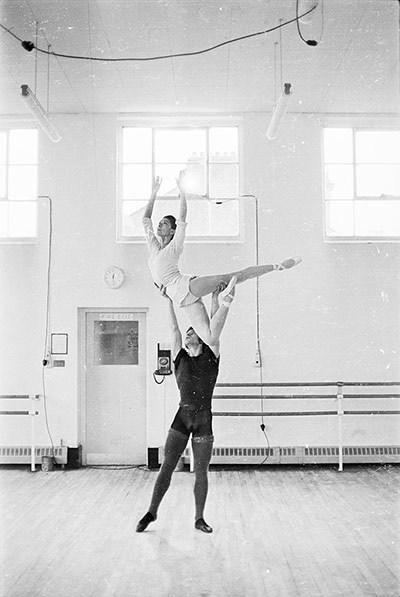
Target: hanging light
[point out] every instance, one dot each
(279, 112)
(40, 113)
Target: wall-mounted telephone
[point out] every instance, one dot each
(163, 362)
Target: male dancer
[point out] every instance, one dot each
(196, 371)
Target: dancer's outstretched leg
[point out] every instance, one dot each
(210, 330)
(174, 447)
(202, 452)
(203, 285)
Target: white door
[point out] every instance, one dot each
(114, 388)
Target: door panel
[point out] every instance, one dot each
(115, 392)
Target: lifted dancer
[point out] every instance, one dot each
(196, 370)
(187, 290)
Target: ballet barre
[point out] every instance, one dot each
(338, 396)
(32, 412)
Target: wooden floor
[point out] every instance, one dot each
(277, 532)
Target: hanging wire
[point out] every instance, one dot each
(281, 59)
(309, 42)
(29, 46)
(275, 71)
(36, 54)
(47, 324)
(262, 397)
(48, 80)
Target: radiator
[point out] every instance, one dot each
(301, 455)
(22, 454)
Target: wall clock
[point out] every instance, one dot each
(114, 277)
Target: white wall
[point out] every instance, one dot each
(335, 317)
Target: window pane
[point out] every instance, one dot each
(3, 147)
(224, 180)
(23, 144)
(378, 147)
(377, 218)
(3, 219)
(116, 343)
(22, 219)
(338, 145)
(375, 181)
(196, 176)
(198, 217)
(132, 214)
(22, 182)
(2, 181)
(169, 173)
(339, 182)
(179, 145)
(136, 181)
(339, 218)
(136, 145)
(223, 141)
(224, 218)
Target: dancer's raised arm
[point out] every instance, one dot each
(148, 212)
(176, 336)
(181, 181)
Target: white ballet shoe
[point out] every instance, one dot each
(288, 263)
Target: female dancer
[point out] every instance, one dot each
(187, 290)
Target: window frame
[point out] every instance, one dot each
(179, 122)
(361, 124)
(7, 126)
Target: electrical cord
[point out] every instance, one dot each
(155, 378)
(29, 46)
(46, 339)
(309, 42)
(262, 425)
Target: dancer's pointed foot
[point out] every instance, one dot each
(144, 522)
(288, 263)
(229, 292)
(201, 525)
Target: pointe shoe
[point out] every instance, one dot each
(289, 263)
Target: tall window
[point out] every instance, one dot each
(18, 184)
(210, 156)
(362, 184)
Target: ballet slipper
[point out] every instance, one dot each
(288, 263)
(229, 292)
(201, 525)
(144, 522)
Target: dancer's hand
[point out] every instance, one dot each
(220, 288)
(156, 185)
(181, 182)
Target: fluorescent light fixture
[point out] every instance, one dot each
(279, 112)
(40, 113)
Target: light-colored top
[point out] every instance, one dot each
(163, 262)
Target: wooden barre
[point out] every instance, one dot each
(300, 396)
(273, 414)
(19, 396)
(33, 414)
(303, 413)
(18, 412)
(308, 384)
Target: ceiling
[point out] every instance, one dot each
(354, 68)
